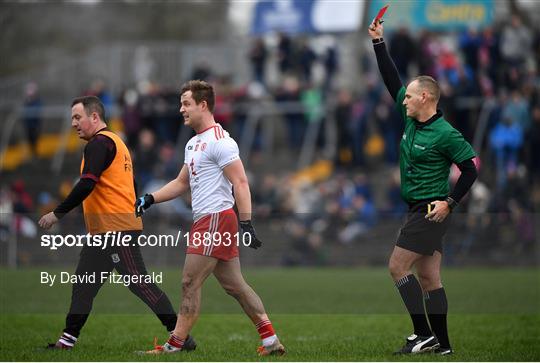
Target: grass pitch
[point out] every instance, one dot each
(319, 314)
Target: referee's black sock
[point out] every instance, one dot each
(437, 310)
(411, 293)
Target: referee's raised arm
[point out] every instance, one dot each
(387, 67)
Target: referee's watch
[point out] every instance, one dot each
(451, 203)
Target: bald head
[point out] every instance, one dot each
(421, 98)
(429, 85)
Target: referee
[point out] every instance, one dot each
(106, 190)
(428, 148)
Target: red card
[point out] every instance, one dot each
(381, 13)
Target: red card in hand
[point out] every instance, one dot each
(380, 14)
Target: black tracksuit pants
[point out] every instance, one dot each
(127, 261)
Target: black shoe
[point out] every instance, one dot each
(58, 346)
(419, 344)
(443, 351)
(189, 344)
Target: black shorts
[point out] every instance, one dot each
(419, 234)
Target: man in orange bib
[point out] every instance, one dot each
(106, 190)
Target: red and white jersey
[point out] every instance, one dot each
(206, 154)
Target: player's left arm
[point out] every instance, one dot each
(237, 176)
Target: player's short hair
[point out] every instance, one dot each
(200, 91)
(91, 104)
(430, 85)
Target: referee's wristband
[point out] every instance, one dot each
(377, 41)
(451, 203)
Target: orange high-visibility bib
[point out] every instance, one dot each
(110, 205)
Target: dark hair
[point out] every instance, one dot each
(200, 91)
(431, 85)
(91, 104)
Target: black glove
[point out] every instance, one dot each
(143, 203)
(247, 228)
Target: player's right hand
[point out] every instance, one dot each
(247, 228)
(143, 203)
(376, 29)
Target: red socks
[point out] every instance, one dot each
(175, 341)
(265, 329)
